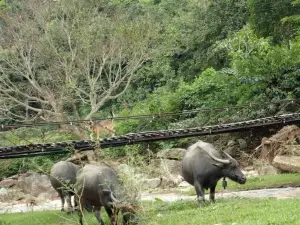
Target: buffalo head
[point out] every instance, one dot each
(230, 168)
(128, 211)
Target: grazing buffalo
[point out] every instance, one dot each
(63, 179)
(99, 186)
(203, 167)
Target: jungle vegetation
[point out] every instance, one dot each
(63, 60)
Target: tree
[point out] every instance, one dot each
(204, 25)
(60, 60)
(266, 19)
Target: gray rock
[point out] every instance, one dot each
(171, 181)
(268, 170)
(287, 163)
(35, 184)
(251, 173)
(168, 166)
(242, 144)
(7, 183)
(3, 191)
(152, 183)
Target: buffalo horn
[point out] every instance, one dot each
(229, 157)
(224, 161)
(113, 198)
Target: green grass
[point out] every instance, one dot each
(238, 211)
(226, 212)
(267, 181)
(47, 218)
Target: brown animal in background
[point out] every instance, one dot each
(100, 127)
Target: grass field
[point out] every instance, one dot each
(227, 212)
(223, 212)
(236, 211)
(45, 218)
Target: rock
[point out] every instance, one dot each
(168, 167)
(15, 177)
(43, 197)
(172, 153)
(152, 183)
(242, 144)
(3, 191)
(184, 184)
(287, 163)
(171, 181)
(250, 173)
(35, 184)
(7, 183)
(268, 170)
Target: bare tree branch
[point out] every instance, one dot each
(56, 55)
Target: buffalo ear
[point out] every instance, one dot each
(219, 165)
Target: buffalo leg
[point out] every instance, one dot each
(110, 215)
(98, 215)
(200, 192)
(62, 198)
(212, 194)
(68, 200)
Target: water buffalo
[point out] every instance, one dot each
(203, 167)
(63, 179)
(99, 186)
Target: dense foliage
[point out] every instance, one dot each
(82, 60)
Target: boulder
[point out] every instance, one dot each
(171, 181)
(152, 183)
(287, 163)
(172, 153)
(34, 183)
(268, 170)
(168, 166)
(7, 183)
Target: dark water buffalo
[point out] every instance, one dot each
(203, 167)
(63, 179)
(99, 187)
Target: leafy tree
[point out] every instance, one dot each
(270, 72)
(266, 18)
(209, 23)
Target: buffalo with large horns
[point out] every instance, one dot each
(203, 167)
(100, 186)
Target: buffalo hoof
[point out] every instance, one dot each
(62, 209)
(70, 212)
(201, 202)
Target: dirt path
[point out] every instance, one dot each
(280, 193)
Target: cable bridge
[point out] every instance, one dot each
(32, 150)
